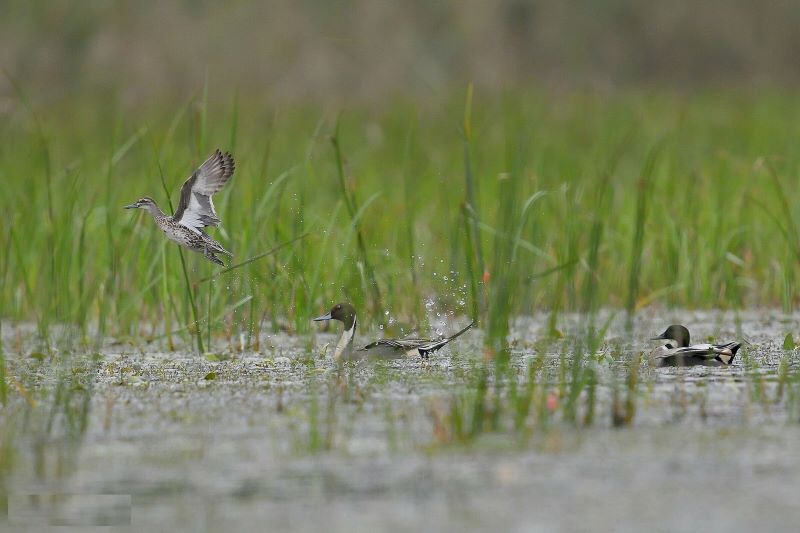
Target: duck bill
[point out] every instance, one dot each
(659, 338)
(323, 317)
(131, 206)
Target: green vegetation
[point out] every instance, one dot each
(654, 198)
(540, 203)
(570, 223)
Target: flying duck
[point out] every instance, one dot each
(195, 209)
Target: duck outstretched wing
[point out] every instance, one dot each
(415, 346)
(409, 346)
(196, 209)
(398, 344)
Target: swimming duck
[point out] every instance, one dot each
(383, 348)
(195, 208)
(678, 352)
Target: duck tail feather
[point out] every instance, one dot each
(453, 336)
(214, 259)
(727, 355)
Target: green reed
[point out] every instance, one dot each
(351, 202)
(512, 210)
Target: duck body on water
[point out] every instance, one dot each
(195, 209)
(383, 348)
(679, 352)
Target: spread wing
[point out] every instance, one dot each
(408, 346)
(398, 344)
(195, 209)
(412, 345)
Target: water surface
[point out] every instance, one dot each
(283, 440)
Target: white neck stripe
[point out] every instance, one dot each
(345, 344)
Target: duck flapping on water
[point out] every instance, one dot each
(383, 348)
(195, 209)
(679, 352)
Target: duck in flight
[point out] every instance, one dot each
(678, 351)
(195, 209)
(383, 348)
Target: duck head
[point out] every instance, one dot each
(141, 202)
(346, 314)
(145, 203)
(676, 333)
(343, 312)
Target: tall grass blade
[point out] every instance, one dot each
(472, 204)
(643, 187)
(352, 208)
(195, 330)
(251, 260)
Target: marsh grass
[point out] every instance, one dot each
(524, 225)
(537, 204)
(190, 293)
(471, 211)
(351, 202)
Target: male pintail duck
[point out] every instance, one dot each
(195, 209)
(384, 348)
(678, 351)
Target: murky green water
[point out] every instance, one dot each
(284, 441)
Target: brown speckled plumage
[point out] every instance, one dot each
(195, 209)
